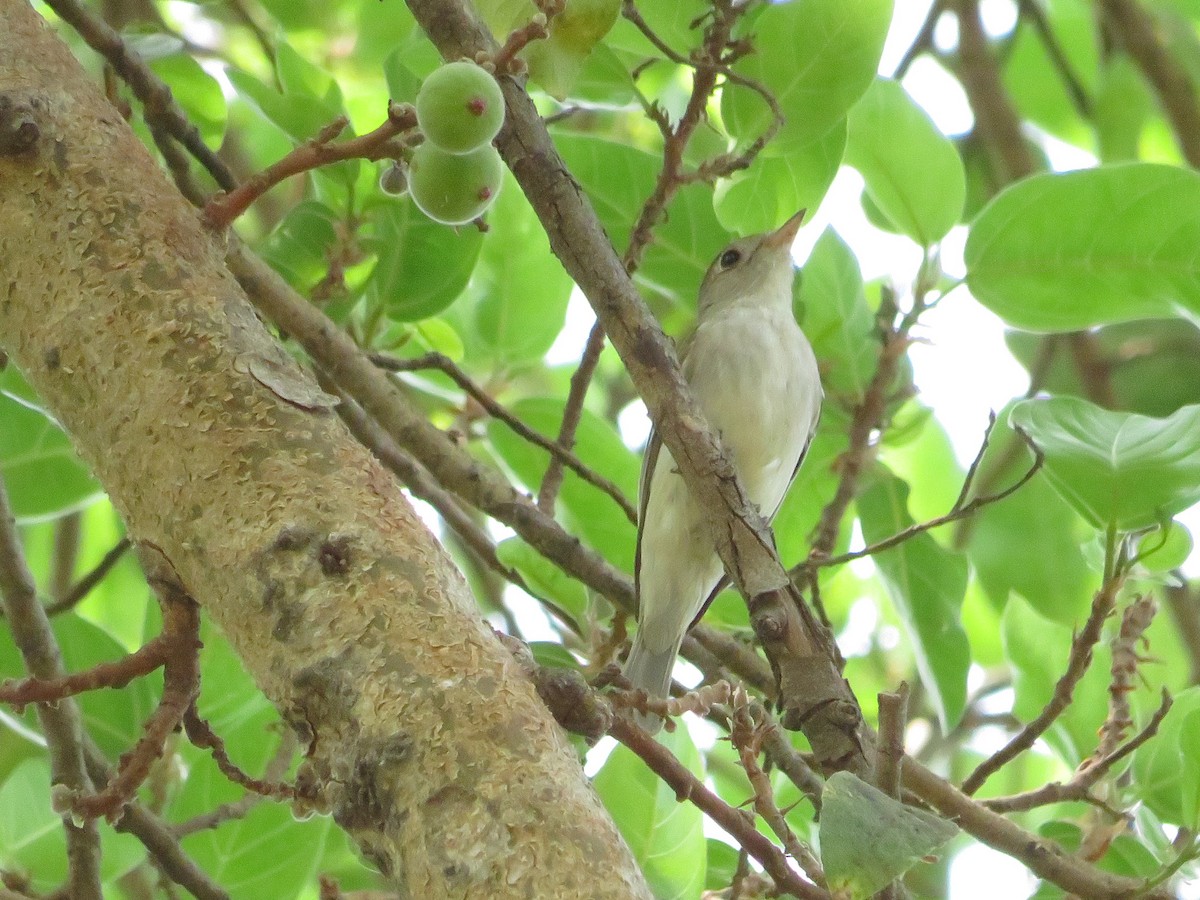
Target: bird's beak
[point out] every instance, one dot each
(785, 233)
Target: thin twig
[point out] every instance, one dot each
(581, 379)
(496, 410)
(1042, 856)
(322, 150)
(707, 63)
(996, 119)
(922, 42)
(1088, 774)
(536, 29)
(1078, 661)
(747, 737)
(158, 106)
(1030, 10)
(738, 824)
(959, 511)
(155, 835)
(84, 585)
(1125, 661)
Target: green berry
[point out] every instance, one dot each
(460, 107)
(454, 188)
(394, 180)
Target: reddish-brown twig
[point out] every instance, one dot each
(1079, 660)
(748, 737)
(222, 210)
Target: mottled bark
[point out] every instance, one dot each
(425, 740)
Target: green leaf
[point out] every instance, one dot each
(665, 835)
(774, 187)
(113, 718)
(42, 474)
(32, 839)
(832, 309)
(1069, 251)
(912, 171)
(593, 513)
(31, 835)
(544, 578)
(869, 839)
(618, 179)
(1118, 469)
(927, 584)
(405, 241)
(557, 62)
(266, 853)
(522, 285)
(1121, 108)
(300, 116)
(1150, 364)
(722, 865)
(1167, 767)
(198, 93)
(299, 246)
(816, 56)
(1031, 541)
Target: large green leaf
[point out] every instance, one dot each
(618, 180)
(41, 473)
(665, 834)
(1070, 251)
(114, 719)
(544, 578)
(406, 242)
(926, 584)
(774, 187)
(1117, 469)
(832, 310)
(32, 839)
(593, 513)
(913, 172)
(816, 56)
(523, 288)
(1031, 541)
(869, 839)
(1167, 767)
(198, 93)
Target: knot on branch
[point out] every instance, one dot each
(19, 130)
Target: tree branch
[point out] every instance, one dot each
(800, 650)
(61, 722)
(1134, 28)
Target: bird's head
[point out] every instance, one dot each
(755, 269)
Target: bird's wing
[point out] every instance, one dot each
(724, 582)
(649, 461)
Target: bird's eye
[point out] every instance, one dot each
(730, 258)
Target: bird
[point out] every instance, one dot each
(754, 375)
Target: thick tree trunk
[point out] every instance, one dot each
(427, 743)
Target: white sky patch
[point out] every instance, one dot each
(981, 873)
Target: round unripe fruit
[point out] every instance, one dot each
(454, 188)
(394, 180)
(460, 107)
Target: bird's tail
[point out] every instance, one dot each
(650, 670)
